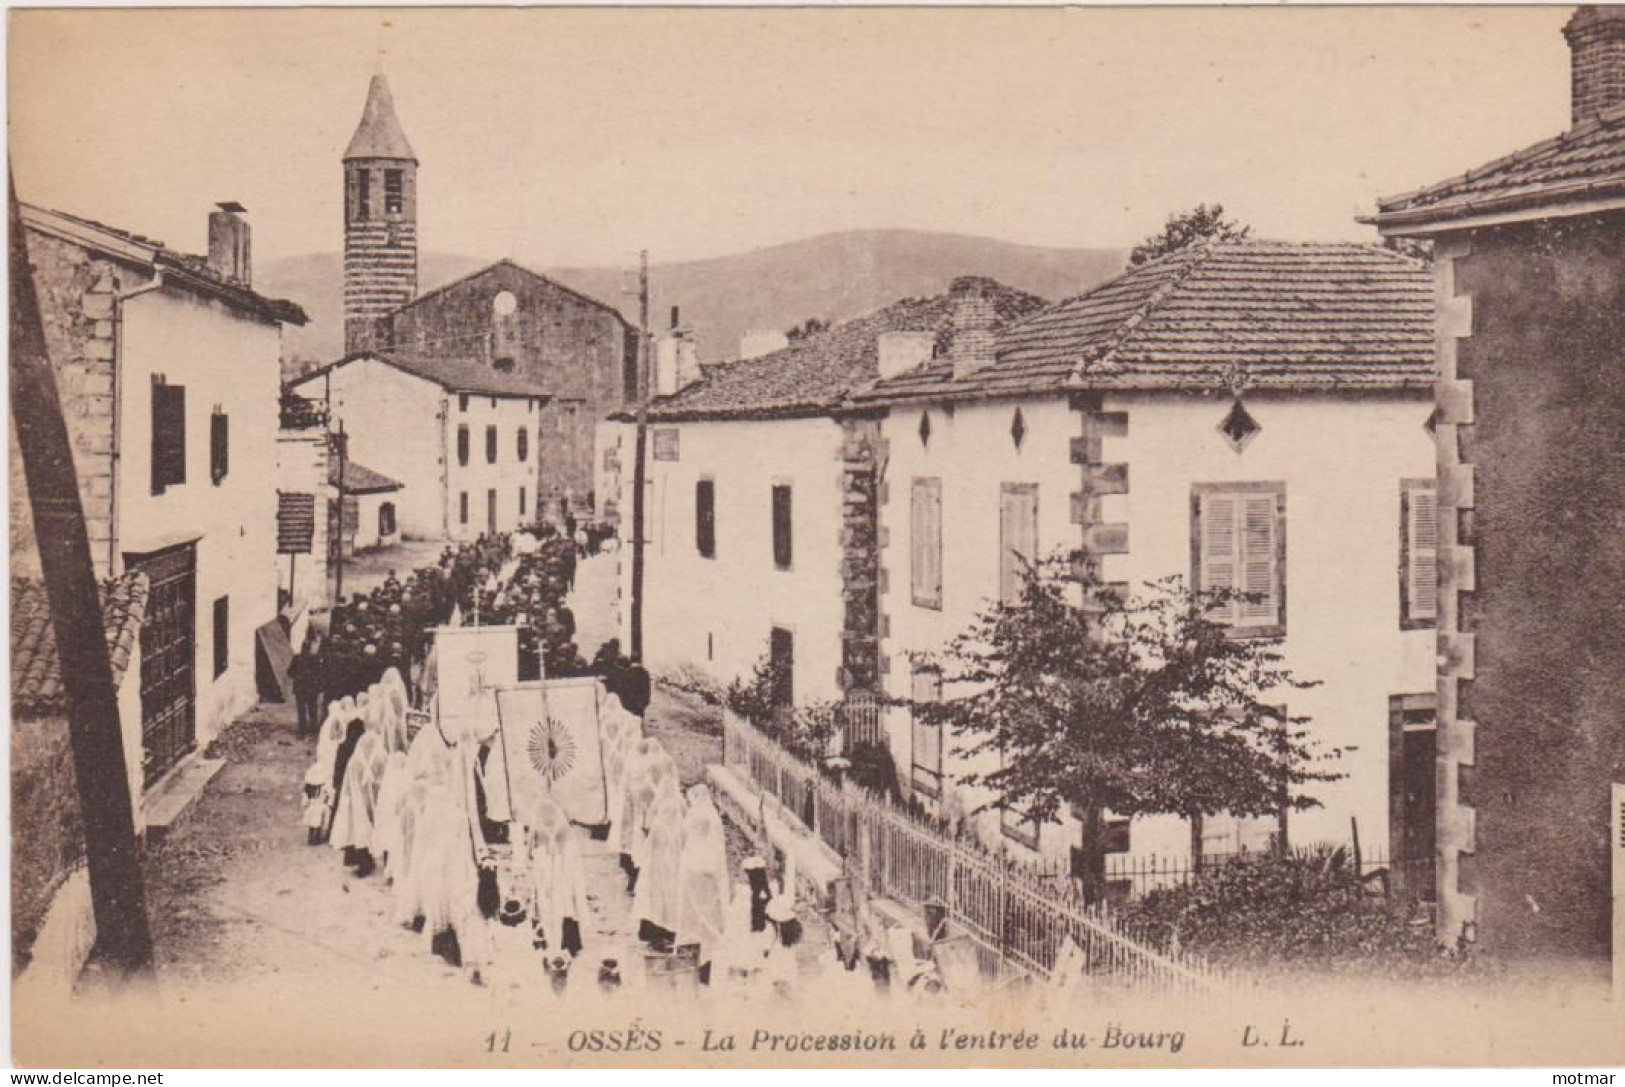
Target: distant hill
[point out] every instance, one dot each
(833, 276)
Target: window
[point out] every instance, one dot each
(705, 518)
(1018, 827)
(386, 519)
(524, 445)
(782, 551)
(462, 446)
(222, 635)
(1018, 536)
(1412, 791)
(925, 543)
(781, 650)
(219, 446)
(462, 401)
(168, 434)
(490, 445)
(521, 498)
(363, 194)
(665, 443)
(394, 192)
(1238, 541)
(462, 508)
(1418, 554)
(927, 735)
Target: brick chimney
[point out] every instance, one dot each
(1596, 36)
(229, 243)
(973, 319)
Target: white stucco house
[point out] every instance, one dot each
(1255, 415)
(461, 438)
(168, 368)
(746, 480)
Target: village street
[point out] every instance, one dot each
(235, 892)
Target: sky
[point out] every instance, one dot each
(578, 137)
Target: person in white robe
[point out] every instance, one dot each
(445, 876)
(558, 878)
(739, 958)
(358, 800)
(702, 879)
(655, 903)
(386, 824)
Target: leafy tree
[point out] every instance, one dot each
(1143, 705)
(760, 698)
(1204, 222)
(807, 329)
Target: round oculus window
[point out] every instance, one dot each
(504, 304)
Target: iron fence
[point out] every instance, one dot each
(1020, 917)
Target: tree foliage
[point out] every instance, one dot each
(1141, 705)
(812, 326)
(1204, 222)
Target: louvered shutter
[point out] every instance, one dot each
(1423, 543)
(1217, 514)
(925, 543)
(782, 540)
(927, 735)
(1018, 536)
(168, 435)
(1259, 577)
(219, 446)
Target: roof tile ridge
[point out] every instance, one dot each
(1102, 358)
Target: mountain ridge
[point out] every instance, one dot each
(834, 276)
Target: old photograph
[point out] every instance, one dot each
(905, 537)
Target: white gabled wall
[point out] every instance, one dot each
(506, 475)
(1341, 459)
(233, 362)
(715, 614)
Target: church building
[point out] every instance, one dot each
(566, 359)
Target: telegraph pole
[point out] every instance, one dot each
(117, 896)
(337, 531)
(638, 486)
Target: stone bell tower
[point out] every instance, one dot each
(380, 220)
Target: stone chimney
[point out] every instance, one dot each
(229, 243)
(761, 341)
(1596, 36)
(900, 352)
(973, 319)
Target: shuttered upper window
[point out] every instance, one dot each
(1018, 536)
(1418, 554)
(462, 446)
(925, 543)
(782, 541)
(490, 445)
(1238, 541)
(168, 435)
(219, 446)
(705, 518)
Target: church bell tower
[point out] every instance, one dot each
(380, 220)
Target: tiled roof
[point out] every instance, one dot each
(192, 269)
(1585, 164)
(505, 266)
(36, 671)
(816, 374)
(1224, 315)
(455, 375)
(379, 135)
(359, 479)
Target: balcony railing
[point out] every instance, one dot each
(302, 413)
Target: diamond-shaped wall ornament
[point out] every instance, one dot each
(1018, 429)
(1239, 427)
(925, 428)
(1432, 424)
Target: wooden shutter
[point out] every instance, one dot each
(782, 543)
(168, 435)
(222, 635)
(927, 735)
(782, 652)
(1259, 578)
(1421, 553)
(219, 446)
(1018, 536)
(1236, 544)
(705, 518)
(462, 445)
(524, 445)
(490, 445)
(925, 543)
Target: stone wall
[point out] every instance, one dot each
(1531, 401)
(862, 451)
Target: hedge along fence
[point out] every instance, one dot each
(1019, 917)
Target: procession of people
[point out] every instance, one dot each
(488, 867)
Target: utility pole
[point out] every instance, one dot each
(117, 896)
(641, 446)
(338, 532)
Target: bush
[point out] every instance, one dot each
(1305, 910)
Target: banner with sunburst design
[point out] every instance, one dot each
(553, 742)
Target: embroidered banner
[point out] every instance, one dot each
(552, 737)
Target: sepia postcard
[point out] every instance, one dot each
(813, 537)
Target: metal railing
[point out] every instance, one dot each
(1020, 917)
